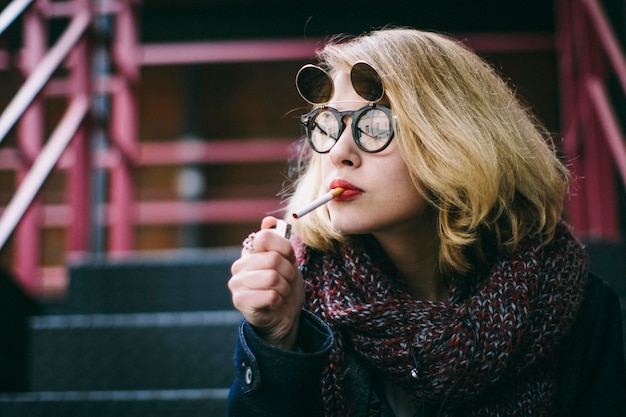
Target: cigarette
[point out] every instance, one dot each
(335, 192)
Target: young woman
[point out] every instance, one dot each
(440, 280)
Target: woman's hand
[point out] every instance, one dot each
(267, 287)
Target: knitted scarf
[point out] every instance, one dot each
(497, 331)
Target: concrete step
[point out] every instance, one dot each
(170, 281)
(146, 351)
(118, 403)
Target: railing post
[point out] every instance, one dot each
(79, 175)
(30, 131)
(600, 171)
(591, 207)
(569, 19)
(124, 129)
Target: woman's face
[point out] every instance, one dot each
(379, 196)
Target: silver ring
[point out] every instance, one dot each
(247, 243)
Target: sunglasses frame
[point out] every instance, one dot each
(325, 80)
(307, 119)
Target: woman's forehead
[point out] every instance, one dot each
(344, 90)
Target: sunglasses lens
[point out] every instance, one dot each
(372, 127)
(314, 84)
(323, 130)
(375, 130)
(366, 82)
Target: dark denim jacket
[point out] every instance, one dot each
(275, 383)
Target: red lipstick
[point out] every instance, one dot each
(350, 190)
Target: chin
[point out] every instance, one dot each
(349, 229)
(349, 222)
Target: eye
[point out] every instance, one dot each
(323, 131)
(374, 129)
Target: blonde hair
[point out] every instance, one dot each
(480, 158)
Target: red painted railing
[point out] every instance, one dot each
(22, 216)
(590, 56)
(591, 130)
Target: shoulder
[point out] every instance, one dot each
(592, 376)
(599, 320)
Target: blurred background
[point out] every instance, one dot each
(141, 141)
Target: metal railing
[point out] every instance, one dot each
(119, 211)
(26, 109)
(590, 59)
(587, 116)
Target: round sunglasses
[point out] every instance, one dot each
(372, 124)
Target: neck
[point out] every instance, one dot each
(414, 251)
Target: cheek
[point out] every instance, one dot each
(401, 187)
(396, 172)
(322, 160)
(324, 163)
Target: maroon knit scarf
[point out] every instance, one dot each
(499, 326)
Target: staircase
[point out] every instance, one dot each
(148, 336)
(153, 334)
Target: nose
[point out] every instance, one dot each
(345, 151)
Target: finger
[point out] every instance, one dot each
(268, 222)
(267, 240)
(257, 303)
(273, 261)
(260, 281)
(247, 246)
(269, 260)
(279, 226)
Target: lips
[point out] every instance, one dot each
(351, 191)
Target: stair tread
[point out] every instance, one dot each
(157, 319)
(118, 395)
(175, 280)
(154, 403)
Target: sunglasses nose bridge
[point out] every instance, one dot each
(346, 119)
(344, 115)
(346, 128)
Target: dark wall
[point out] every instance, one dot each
(16, 307)
(231, 100)
(165, 20)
